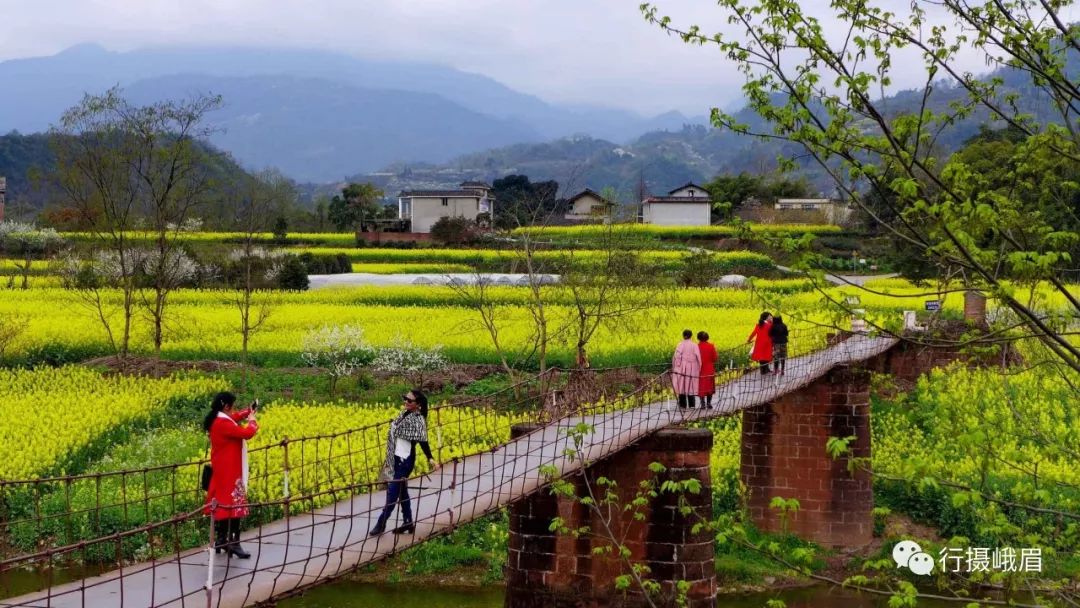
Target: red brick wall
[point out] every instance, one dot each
(390, 237)
(546, 569)
(907, 360)
(783, 454)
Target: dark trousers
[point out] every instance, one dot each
(780, 356)
(706, 400)
(686, 400)
(397, 491)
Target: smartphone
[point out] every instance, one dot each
(255, 404)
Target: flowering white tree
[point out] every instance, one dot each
(166, 270)
(89, 278)
(191, 224)
(410, 360)
(248, 259)
(340, 350)
(26, 242)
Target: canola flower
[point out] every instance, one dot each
(49, 415)
(509, 257)
(410, 268)
(205, 324)
(678, 232)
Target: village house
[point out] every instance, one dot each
(422, 208)
(687, 205)
(832, 211)
(589, 205)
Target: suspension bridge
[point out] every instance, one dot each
(318, 496)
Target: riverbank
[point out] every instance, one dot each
(474, 555)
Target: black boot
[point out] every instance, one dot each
(234, 537)
(380, 527)
(221, 536)
(405, 528)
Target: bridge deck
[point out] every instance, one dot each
(303, 550)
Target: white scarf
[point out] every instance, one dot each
(243, 451)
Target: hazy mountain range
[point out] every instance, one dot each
(325, 117)
(316, 115)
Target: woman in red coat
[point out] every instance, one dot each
(707, 383)
(762, 351)
(228, 460)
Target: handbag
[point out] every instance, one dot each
(386, 474)
(207, 473)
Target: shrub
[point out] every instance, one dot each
(293, 274)
(406, 359)
(454, 230)
(341, 350)
(326, 263)
(281, 230)
(700, 269)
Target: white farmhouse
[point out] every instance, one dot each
(688, 205)
(833, 211)
(424, 207)
(589, 205)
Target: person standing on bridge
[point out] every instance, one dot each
(763, 347)
(407, 431)
(686, 369)
(707, 385)
(778, 333)
(229, 478)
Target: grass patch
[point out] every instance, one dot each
(736, 564)
(480, 542)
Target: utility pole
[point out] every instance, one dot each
(3, 193)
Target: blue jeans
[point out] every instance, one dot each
(397, 491)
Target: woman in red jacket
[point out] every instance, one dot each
(228, 459)
(707, 383)
(762, 351)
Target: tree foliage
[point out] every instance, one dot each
(995, 216)
(454, 230)
(355, 206)
(729, 192)
(520, 202)
(822, 92)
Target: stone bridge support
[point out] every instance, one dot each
(546, 569)
(783, 455)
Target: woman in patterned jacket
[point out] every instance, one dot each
(406, 431)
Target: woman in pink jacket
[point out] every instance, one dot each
(686, 369)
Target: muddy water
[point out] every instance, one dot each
(350, 594)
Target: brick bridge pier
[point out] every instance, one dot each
(783, 454)
(783, 448)
(546, 569)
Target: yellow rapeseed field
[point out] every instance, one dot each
(50, 414)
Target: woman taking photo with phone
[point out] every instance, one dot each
(227, 490)
(407, 431)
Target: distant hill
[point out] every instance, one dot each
(318, 130)
(665, 159)
(28, 162)
(440, 112)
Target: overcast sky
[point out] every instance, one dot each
(570, 51)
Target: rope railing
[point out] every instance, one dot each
(66, 509)
(313, 499)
